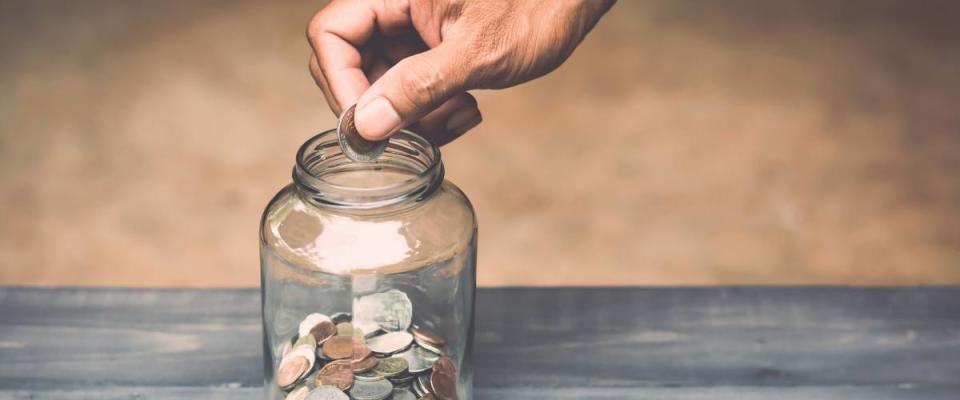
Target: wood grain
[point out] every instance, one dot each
(671, 343)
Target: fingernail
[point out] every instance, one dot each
(376, 119)
(463, 120)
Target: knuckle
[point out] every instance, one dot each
(422, 84)
(315, 26)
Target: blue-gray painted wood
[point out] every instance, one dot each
(671, 343)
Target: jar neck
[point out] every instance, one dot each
(409, 171)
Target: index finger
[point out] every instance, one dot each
(338, 33)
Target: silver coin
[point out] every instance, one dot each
(391, 310)
(430, 348)
(402, 381)
(369, 328)
(310, 322)
(327, 392)
(354, 146)
(403, 394)
(427, 355)
(390, 343)
(424, 382)
(418, 389)
(367, 376)
(416, 363)
(371, 390)
(375, 332)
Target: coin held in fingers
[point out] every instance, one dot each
(354, 146)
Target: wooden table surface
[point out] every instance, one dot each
(598, 343)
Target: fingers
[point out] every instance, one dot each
(451, 120)
(322, 84)
(337, 35)
(423, 87)
(409, 90)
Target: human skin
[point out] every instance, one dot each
(410, 63)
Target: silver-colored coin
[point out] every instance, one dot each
(391, 310)
(367, 376)
(418, 389)
(402, 381)
(310, 322)
(424, 382)
(390, 343)
(427, 355)
(429, 347)
(403, 394)
(354, 146)
(371, 390)
(327, 392)
(416, 363)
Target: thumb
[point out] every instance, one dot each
(412, 88)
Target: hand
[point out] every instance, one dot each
(411, 62)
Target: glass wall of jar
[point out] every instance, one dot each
(368, 276)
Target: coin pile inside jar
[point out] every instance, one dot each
(332, 358)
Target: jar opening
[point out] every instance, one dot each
(409, 169)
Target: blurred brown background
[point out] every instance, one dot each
(685, 142)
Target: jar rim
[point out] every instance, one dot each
(320, 157)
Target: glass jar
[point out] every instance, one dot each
(368, 276)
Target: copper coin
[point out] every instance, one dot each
(311, 322)
(364, 365)
(427, 336)
(299, 393)
(360, 350)
(338, 347)
(291, 369)
(323, 331)
(444, 386)
(337, 373)
(444, 366)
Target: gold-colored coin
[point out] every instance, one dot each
(307, 341)
(344, 329)
(391, 367)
